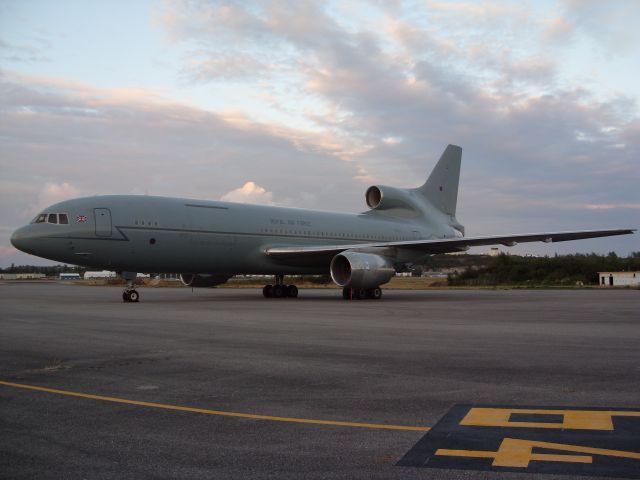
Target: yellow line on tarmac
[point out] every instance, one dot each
(213, 412)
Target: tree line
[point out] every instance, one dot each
(49, 270)
(476, 269)
(573, 269)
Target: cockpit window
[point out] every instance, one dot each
(55, 218)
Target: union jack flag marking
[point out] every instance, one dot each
(81, 218)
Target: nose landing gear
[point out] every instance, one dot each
(130, 294)
(280, 290)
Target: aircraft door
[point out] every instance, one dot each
(103, 222)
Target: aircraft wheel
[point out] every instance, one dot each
(125, 297)
(134, 296)
(346, 293)
(278, 291)
(376, 293)
(362, 294)
(292, 291)
(267, 291)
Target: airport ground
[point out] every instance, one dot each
(145, 390)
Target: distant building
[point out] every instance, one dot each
(169, 276)
(619, 279)
(102, 274)
(434, 274)
(21, 276)
(105, 274)
(69, 276)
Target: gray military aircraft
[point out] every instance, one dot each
(211, 241)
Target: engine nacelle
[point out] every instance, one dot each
(360, 270)
(381, 197)
(203, 280)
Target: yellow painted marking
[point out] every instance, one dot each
(571, 419)
(214, 412)
(514, 452)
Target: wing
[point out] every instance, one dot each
(443, 245)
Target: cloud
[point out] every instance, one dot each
(491, 88)
(249, 193)
(631, 206)
(357, 97)
(24, 53)
(7, 254)
(54, 193)
(612, 25)
(223, 66)
(61, 139)
(558, 29)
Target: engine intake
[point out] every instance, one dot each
(360, 270)
(381, 197)
(203, 280)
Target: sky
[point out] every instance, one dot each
(306, 104)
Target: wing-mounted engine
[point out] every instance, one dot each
(203, 280)
(360, 270)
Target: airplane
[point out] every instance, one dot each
(211, 241)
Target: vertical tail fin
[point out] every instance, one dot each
(441, 188)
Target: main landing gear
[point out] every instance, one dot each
(280, 290)
(130, 293)
(361, 293)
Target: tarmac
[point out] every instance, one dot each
(223, 383)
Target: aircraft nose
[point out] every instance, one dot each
(20, 239)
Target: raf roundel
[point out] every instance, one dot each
(81, 218)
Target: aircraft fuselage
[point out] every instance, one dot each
(207, 241)
(160, 234)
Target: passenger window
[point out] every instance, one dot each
(63, 219)
(53, 218)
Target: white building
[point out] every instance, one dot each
(21, 276)
(619, 279)
(69, 276)
(102, 274)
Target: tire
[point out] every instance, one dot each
(362, 294)
(267, 291)
(134, 296)
(346, 293)
(292, 291)
(376, 293)
(125, 297)
(278, 291)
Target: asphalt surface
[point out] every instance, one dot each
(404, 360)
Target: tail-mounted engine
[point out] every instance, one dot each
(381, 197)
